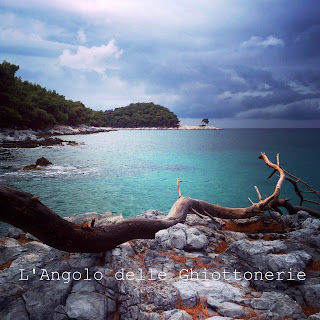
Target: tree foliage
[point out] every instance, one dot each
(143, 115)
(205, 121)
(24, 104)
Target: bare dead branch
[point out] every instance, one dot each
(312, 201)
(296, 189)
(272, 173)
(178, 186)
(258, 192)
(309, 191)
(25, 211)
(263, 205)
(197, 213)
(303, 182)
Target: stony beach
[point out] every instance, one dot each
(259, 268)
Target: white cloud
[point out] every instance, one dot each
(142, 15)
(112, 92)
(14, 34)
(297, 87)
(259, 42)
(240, 95)
(30, 43)
(233, 75)
(96, 59)
(81, 36)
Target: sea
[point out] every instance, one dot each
(131, 171)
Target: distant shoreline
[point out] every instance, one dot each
(164, 128)
(28, 138)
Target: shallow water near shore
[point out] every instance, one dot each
(130, 172)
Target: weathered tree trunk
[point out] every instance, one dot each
(25, 211)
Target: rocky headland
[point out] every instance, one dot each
(28, 138)
(258, 268)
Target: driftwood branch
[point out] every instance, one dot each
(25, 211)
(258, 192)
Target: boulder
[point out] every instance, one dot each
(86, 306)
(195, 239)
(278, 303)
(188, 293)
(177, 315)
(43, 162)
(268, 256)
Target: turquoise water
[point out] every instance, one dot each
(130, 172)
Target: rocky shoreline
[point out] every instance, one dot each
(202, 269)
(28, 138)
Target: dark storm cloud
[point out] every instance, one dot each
(216, 59)
(302, 110)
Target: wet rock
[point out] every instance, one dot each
(31, 167)
(42, 142)
(43, 162)
(72, 143)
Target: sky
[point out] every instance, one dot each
(239, 63)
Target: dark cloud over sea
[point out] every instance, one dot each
(229, 61)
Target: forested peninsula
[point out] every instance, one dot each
(27, 105)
